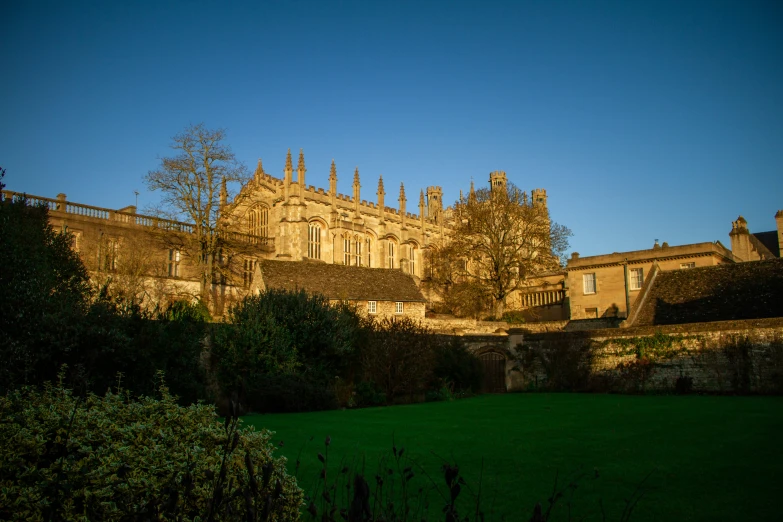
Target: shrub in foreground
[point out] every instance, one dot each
(108, 458)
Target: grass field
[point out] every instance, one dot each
(711, 458)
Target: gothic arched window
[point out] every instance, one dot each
(357, 250)
(314, 240)
(412, 259)
(258, 222)
(391, 253)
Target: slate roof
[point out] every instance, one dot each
(353, 283)
(752, 290)
(770, 242)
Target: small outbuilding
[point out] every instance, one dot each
(381, 292)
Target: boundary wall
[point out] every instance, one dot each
(720, 357)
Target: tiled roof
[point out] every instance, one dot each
(752, 290)
(352, 283)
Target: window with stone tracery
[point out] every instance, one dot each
(314, 241)
(174, 260)
(258, 222)
(390, 254)
(346, 250)
(247, 275)
(412, 259)
(357, 251)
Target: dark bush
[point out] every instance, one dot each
(683, 385)
(50, 317)
(44, 292)
(514, 317)
(457, 368)
(368, 394)
(288, 393)
(567, 367)
(399, 358)
(738, 354)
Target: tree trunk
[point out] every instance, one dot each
(499, 308)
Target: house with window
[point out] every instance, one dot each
(726, 292)
(607, 285)
(378, 292)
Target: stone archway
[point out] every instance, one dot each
(494, 366)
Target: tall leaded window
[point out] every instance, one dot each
(390, 254)
(174, 259)
(258, 222)
(368, 245)
(637, 278)
(412, 259)
(247, 275)
(314, 241)
(357, 250)
(110, 254)
(76, 240)
(346, 250)
(588, 280)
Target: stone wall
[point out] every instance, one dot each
(450, 325)
(718, 357)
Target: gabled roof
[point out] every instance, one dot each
(752, 290)
(353, 283)
(769, 242)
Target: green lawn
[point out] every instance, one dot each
(711, 458)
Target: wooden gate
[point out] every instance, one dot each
(494, 366)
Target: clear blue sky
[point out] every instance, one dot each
(642, 120)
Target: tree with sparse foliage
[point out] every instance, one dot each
(193, 183)
(501, 241)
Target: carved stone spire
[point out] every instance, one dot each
(259, 173)
(402, 201)
(289, 166)
(421, 211)
(287, 174)
(381, 193)
(472, 193)
(300, 170)
(356, 191)
(333, 186)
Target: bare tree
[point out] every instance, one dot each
(131, 269)
(500, 242)
(194, 184)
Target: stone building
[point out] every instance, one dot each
(608, 285)
(747, 246)
(300, 221)
(728, 292)
(378, 292)
(282, 219)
